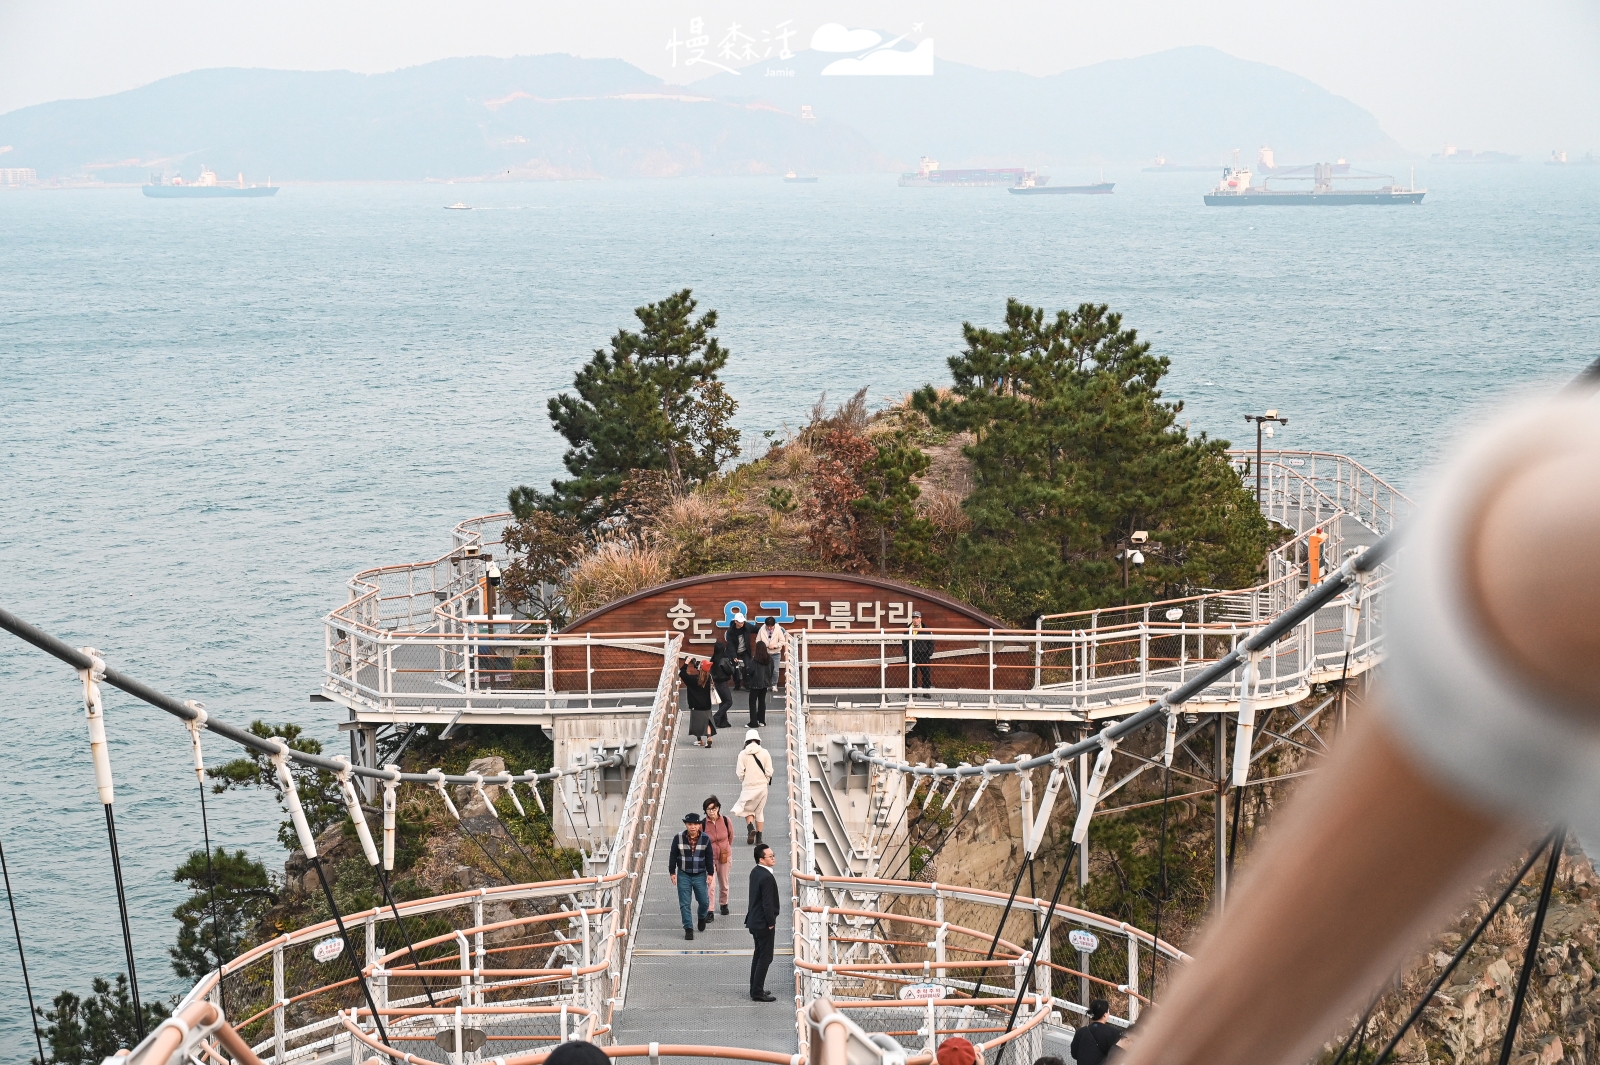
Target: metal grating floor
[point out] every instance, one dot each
(675, 995)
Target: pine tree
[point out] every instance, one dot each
(318, 788)
(650, 402)
(887, 505)
(86, 1031)
(226, 901)
(1073, 450)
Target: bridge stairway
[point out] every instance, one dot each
(699, 992)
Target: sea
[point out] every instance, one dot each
(214, 412)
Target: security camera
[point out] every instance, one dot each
(1267, 432)
(494, 574)
(1139, 537)
(1272, 413)
(1137, 558)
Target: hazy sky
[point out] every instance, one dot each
(1514, 76)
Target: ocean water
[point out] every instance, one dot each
(213, 413)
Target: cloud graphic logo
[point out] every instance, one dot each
(887, 61)
(832, 37)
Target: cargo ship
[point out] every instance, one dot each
(1034, 185)
(206, 185)
(1452, 154)
(928, 175)
(796, 179)
(1235, 190)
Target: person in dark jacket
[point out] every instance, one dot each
(688, 865)
(722, 680)
(742, 644)
(697, 690)
(762, 919)
(1093, 1042)
(758, 678)
(919, 653)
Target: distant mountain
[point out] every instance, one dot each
(1188, 104)
(550, 116)
(557, 116)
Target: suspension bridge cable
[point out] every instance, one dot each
(16, 927)
(1461, 951)
(1161, 883)
(211, 880)
(127, 932)
(383, 882)
(1305, 607)
(262, 745)
(1033, 955)
(1530, 958)
(350, 948)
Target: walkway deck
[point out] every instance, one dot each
(699, 992)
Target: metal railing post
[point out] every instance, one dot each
(279, 1005)
(1133, 976)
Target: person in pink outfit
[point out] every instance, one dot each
(720, 830)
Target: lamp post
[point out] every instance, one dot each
(1263, 421)
(1130, 555)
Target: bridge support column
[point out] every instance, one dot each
(588, 810)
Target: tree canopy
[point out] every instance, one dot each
(652, 401)
(1074, 449)
(225, 903)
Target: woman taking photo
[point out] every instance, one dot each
(697, 689)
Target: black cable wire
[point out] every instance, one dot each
(211, 880)
(383, 882)
(1461, 952)
(462, 826)
(1358, 1030)
(1532, 956)
(127, 932)
(1161, 891)
(350, 948)
(33, 1014)
(1033, 955)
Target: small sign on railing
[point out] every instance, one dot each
(328, 949)
(1083, 940)
(923, 991)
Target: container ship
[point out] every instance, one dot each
(1235, 190)
(206, 185)
(928, 175)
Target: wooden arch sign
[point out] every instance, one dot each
(701, 607)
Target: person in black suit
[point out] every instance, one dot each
(762, 920)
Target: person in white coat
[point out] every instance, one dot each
(754, 770)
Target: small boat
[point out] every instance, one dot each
(1034, 185)
(458, 207)
(794, 179)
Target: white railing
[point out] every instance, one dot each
(869, 937)
(1093, 672)
(523, 979)
(1340, 483)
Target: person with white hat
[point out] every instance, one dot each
(754, 770)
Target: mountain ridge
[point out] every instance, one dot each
(562, 116)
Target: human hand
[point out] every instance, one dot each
(674, 879)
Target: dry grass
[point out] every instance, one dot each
(615, 568)
(943, 508)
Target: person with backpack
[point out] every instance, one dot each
(754, 770)
(758, 677)
(1094, 1041)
